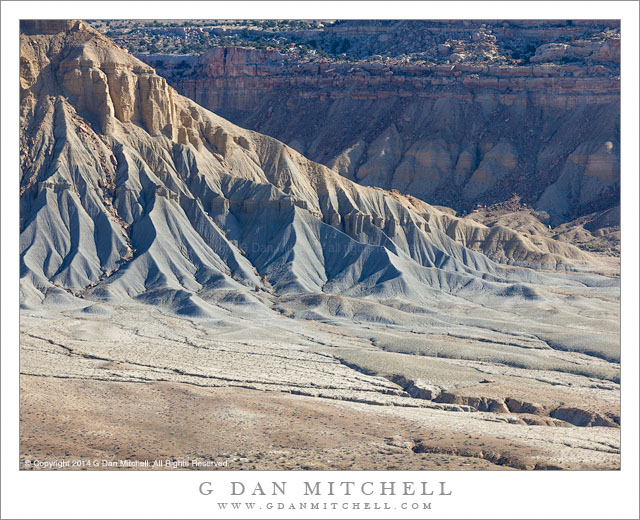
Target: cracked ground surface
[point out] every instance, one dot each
(270, 392)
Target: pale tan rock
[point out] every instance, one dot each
(498, 162)
(383, 156)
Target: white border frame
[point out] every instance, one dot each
(129, 494)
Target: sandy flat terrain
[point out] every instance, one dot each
(270, 392)
(67, 419)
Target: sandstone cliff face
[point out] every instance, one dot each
(456, 134)
(85, 72)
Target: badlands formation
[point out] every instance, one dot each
(192, 289)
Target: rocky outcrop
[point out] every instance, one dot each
(97, 78)
(418, 389)
(598, 51)
(581, 417)
(534, 414)
(590, 173)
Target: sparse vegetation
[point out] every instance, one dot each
(310, 40)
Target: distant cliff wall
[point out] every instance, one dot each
(456, 134)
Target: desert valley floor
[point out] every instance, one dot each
(263, 390)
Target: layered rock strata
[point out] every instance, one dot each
(457, 133)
